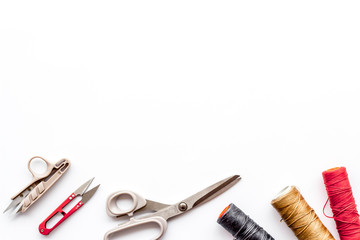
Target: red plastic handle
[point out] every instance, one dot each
(46, 231)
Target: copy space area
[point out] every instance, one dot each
(165, 98)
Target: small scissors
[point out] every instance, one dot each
(39, 185)
(80, 192)
(161, 212)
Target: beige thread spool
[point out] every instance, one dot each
(299, 216)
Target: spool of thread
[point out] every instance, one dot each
(240, 225)
(342, 203)
(299, 216)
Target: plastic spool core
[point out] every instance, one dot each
(283, 192)
(332, 169)
(224, 211)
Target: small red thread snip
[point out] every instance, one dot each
(342, 203)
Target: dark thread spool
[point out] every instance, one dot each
(241, 226)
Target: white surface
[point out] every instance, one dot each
(165, 98)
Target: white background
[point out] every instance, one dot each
(167, 97)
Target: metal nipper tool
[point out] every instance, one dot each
(81, 191)
(40, 184)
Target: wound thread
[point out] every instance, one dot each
(299, 216)
(342, 203)
(241, 226)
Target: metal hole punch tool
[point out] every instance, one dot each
(40, 184)
(81, 191)
(160, 212)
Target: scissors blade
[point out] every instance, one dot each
(86, 196)
(18, 208)
(19, 198)
(81, 190)
(13, 204)
(211, 192)
(199, 198)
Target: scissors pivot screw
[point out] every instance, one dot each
(183, 206)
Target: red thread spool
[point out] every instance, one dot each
(342, 203)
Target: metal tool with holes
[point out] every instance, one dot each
(80, 192)
(40, 184)
(161, 212)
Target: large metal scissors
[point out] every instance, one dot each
(160, 212)
(39, 185)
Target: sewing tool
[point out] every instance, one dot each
(240, 225)
(40, 184)
(299, 216)
(342, 203)
(81, 191)
(161, 212)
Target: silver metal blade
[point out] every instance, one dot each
(86, 196)
(199, 198)
(13, 204)
(19, 209)
(19, 198)
(211, 192)
(81, 190)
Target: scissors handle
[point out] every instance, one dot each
(161, 222)
(37, 176)
(113, 209)
(46, 231)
